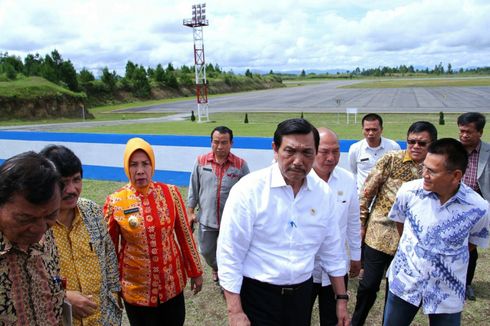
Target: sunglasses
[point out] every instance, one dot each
(421, 143)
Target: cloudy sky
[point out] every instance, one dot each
(257, 34)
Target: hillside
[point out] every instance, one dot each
(36, 98)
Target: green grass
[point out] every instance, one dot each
(32, 87)
(422, 82)
(209, 307)
(264, 124)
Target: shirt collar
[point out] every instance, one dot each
(210, 158)
(407, 157)
(277, 180)
(459, 196)
(477, 148)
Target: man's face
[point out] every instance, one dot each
(328, 154)
(295, 157)
(469, 136)
(436, 176)
(25, 223)
(418, 143)
(372, 131)
(140, 169)
(72, 188)
(221, 145)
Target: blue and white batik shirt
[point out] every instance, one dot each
(431, 261)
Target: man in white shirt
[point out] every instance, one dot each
(438, 218)
(274, 223)
(364, 154)
(343, 186)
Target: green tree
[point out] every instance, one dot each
(248, 73)
(140, 84)
(9, 70)
(68, 75)
(303, 73)
(159, 74)
(449, 68)
(86, 76)
(109, 79)
(32, 65)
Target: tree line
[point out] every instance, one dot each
(137, 79)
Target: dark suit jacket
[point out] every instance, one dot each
(483, 173)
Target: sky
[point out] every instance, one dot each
(260, 35)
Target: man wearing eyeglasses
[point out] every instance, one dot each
(377, 230)
(477, 175)
(437, 217)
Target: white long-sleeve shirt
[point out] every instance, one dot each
(363, 158)
(272, 236)
(343, 185)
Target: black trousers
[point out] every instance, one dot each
(169, 313)
(375, 265)
(327, 305)
(276, 305)
(471, 266)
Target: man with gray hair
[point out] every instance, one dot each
(31, 291)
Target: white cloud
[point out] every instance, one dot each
(305, 34)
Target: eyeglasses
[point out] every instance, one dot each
(421, 143)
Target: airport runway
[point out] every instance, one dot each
(329, 97)
(317, 97)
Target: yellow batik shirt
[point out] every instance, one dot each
(79, 263)
(380, 188)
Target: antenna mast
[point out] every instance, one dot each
(197, 22)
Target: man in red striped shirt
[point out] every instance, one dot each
(212, 178)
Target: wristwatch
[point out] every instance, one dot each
(342, 297)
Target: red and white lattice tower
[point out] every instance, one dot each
(197, 22)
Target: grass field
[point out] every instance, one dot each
(264, 124)
(32, 87)
(422, 82)
(209, 307)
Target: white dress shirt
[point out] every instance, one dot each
(270, 235)
(343, 185)
(363, 158)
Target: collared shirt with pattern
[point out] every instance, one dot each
(432, 258)
(470, 176)
(88, 262)
(157, 251)
(379, 192)
(210, 185)
(362, 157)
(31, 292)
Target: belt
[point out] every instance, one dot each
(288, 289)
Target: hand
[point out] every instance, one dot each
(342, 314)
(355, 268)
(82, 306)
(196, 284)
(238, 319)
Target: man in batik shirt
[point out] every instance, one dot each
(437, 217)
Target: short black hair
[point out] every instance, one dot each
(421, 126)
(295, 126)
(222, 130)
(372, 117)
(66, 162)
(472, 117)
(453, 150)
(30, 175)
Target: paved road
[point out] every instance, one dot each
(321, 97)
(328, 97)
